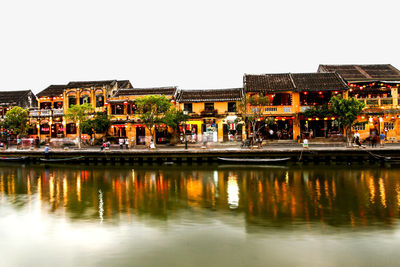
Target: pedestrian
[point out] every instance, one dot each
(260, 140)
(37, 141)
(311, 134)
(121, 143)
(18, 142)
(46, 152)
(127, 143)
(382, 137)
(373, 139)
(357, 138)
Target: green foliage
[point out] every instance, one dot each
(79, 114)
(319, 111)
(174, 118)
(100, 123)
(347, 110)
(16, 120)
(152, 110)
(251, 110)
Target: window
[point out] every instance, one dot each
(209, 106)
(85, 99)
(282, 99)
(45, 128)
(71, 128)
(45, 105)
(231, 106)
(388, 125)
(58, 105)
(188, 107)
(99, 101)
(71, 101)
(359, 127)
(131, 108)
(117, 109)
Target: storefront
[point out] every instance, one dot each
(162, 135)
(210, 130)
(320, 127)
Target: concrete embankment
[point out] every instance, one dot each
(296, 154)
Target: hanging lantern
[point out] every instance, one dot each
(333, 118)
(125, 103)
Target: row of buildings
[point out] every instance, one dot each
(214, 113)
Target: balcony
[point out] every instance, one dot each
(209, 113)
(58, 112)
(45, 112)
(34, 113)
(377, 102)
(277, 109)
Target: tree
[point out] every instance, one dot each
(16, 120)
(251, 110)
(173, 118)
(319, 111)
(347, 111)
(100, 123)
(152, 110)
(79, 114)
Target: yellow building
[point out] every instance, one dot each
(289, 95)
(47, 119)
(54, 101)
(89, 92)
(213, 114)
(126, 123)
(377, 86)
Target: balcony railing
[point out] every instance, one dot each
(34, 113)
(58, 112)
(209, 113)
(45, 112)
(377, 102)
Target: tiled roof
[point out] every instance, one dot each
(52, 90)
(318, 81)
(124, 84)
(363, 72)
(268, 82)
(213, 95)
(170, 91)
(78, 84)
(293, 82)
(12, 97)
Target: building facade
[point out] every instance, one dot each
(377, 86)
(289, 95)
(121, 107)
(213, 114)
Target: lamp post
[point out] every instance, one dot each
(185, 112)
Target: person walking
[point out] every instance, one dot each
(382, 138)
(357, 138)
(127, 143)
(46, 152)
(121, 143)
(373, 139)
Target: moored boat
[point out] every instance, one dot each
(60, 160)
(18, 159)
(254, 161)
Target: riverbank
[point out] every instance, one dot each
(296, 153)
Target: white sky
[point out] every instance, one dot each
(191, 44)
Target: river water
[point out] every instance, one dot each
(199, 215)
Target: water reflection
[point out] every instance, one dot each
(266, 197)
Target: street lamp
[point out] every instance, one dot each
(185, 112)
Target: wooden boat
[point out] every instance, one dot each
(18, 159)
(63, 159)
(254, 161)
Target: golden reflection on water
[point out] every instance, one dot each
(356, 197)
